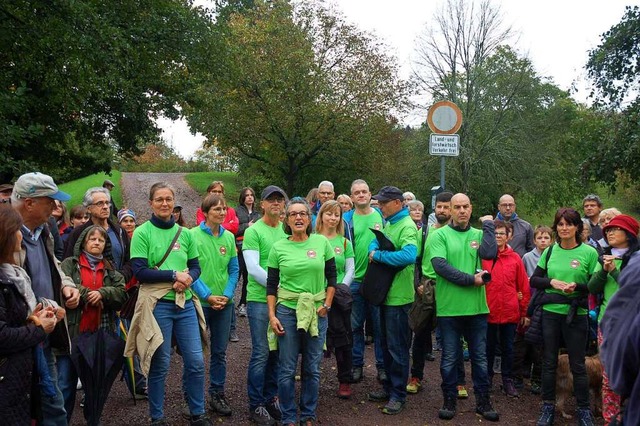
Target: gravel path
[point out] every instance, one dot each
(421, 409)
(135, 193)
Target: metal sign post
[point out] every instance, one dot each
(444, 119)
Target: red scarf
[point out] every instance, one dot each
(92, 280)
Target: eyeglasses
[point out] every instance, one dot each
(167, 200)
(501, 234)
(102, 204)
(302, 214)
(507, 205)
(275, 200)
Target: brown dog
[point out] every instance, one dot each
(564, 382)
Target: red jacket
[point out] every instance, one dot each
(508, 277)
(230, 223)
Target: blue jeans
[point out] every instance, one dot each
(53, 412)
(290, 345)
(67, 382)
(396, 343)
(474, 330)
(218, 323)
(183, 324)
(262, 376)
(506, 334)
(358, 315)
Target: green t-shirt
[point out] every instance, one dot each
(215, 255)
(342, 250)
(301, 265)
(427, 267)
(151, 243)
(362, 225)
(260, 237)
(571, 266)
(401, 233)
(460, 249)
(610, 287)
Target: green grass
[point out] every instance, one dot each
(77, 188)
(200, 181)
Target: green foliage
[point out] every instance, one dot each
(232, 185)
(78, 187)
(614, 65)
(297, 95)
(85, 80)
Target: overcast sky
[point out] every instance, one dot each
(555, 34)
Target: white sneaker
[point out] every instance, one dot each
(242, 311)
(79, 385)
(497, 365)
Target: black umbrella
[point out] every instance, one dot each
(379, 276)
(98, 359)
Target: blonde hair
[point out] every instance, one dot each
(329, 206)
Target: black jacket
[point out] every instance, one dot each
(339, 331)
(127, 270)
(244, 217)
(17, 341)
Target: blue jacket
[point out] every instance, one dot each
(400, 258)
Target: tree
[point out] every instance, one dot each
(300, 94)
(614, 67)
(83, 81)
(511, 115)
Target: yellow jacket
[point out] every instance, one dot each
(145, 335)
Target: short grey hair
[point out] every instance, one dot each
(326, 183)
(88, 196)
(408, 194)
(358, 182)
(415, 204)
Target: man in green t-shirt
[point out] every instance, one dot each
(394, 313)
(358, 224)
(461, 302)
(262, 378)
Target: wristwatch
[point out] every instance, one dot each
(327, 307)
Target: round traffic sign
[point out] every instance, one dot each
(444, 118)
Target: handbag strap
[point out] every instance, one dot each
(166, 254)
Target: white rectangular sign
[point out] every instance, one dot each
(444, 145)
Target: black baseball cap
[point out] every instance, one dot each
(272, 189)
(388, 193)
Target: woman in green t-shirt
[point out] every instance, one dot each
(339, 335)
(301, 281)
(178, 271)
(621, 233)
(563, 276)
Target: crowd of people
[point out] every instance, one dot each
(314, 273)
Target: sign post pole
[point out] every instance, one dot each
(444, 119)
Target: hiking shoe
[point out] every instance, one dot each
(141, 394)
(242, 310)
(273, 408)
(535, 388)
(382, 376)
(509, 389)
(233, 336)
(344, 391)
(261, 416)
(448, 410)
(201, 420)
(393, 407)
(186, 412)
(368, 340)
(380, 395)
(585, 418)
(160, 422)
(547, 415)
(308, 422)
(414, 385)
(356, 374)
(485, 409)
(518, 383)
(219, 404)
(430, 357)
(462, 392)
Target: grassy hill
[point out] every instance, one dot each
(201, 180)
(77, 188)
